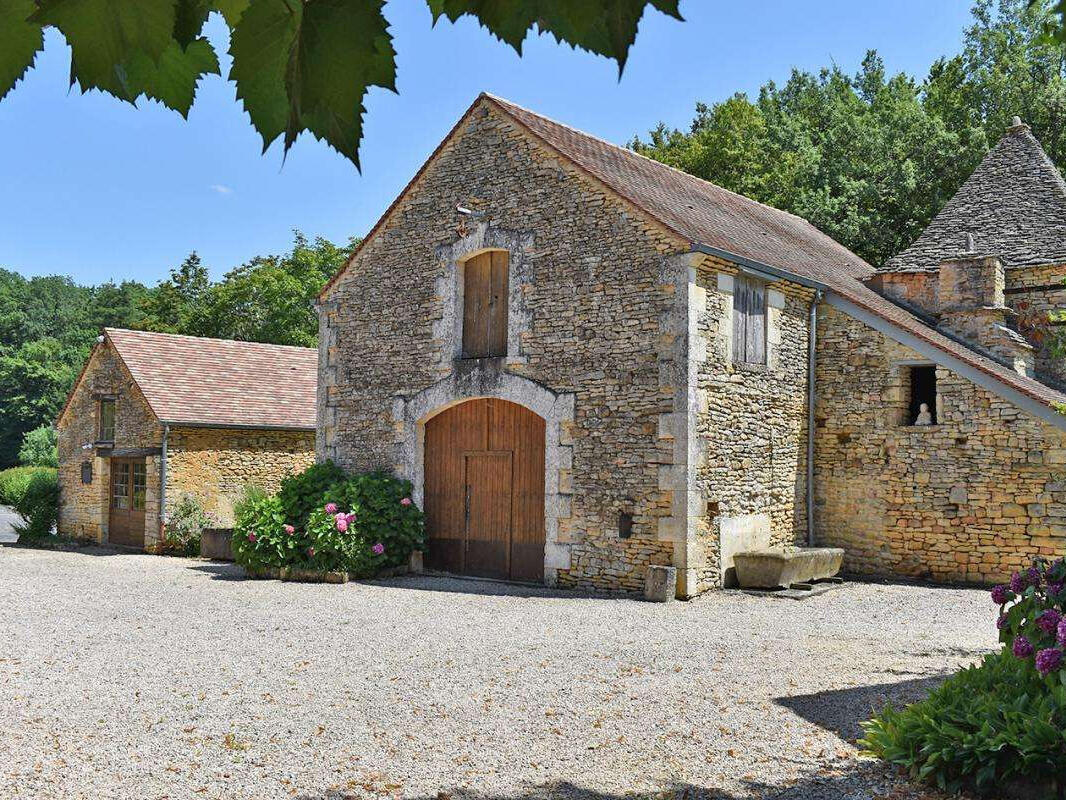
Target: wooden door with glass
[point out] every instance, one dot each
(129, 483)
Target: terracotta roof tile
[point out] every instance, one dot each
(709, 215)
(195, 381)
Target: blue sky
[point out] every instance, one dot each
(99, 190)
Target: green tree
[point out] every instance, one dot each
(39, 448)
(34, 380)
(858, 156)
(270, 299)
(173, 304)
(299, 65)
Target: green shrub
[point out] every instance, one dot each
(260, 538)
(14, 482)
(39, 448)
(38, 506)
(249, 495)
(302, 493)
(384, 514)
(1002, 721)
(361, 525)
(983, 727)
(185, 526)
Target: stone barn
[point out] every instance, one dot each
(589, 363)
(156, 416)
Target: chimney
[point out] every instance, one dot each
(972, 308)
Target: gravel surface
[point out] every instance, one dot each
(7, 523)
(131, 676)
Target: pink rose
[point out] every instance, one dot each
(406, 501)
(331, 508)
(251, 536)
(290, 530)
(350, 517)
(342, 524)
(378, 549)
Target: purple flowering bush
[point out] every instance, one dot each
(1001, 723)
(1031, 609)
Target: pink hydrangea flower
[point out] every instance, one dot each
(331, 508)
(406, 501)
(341, 523)
(378, 549)
(251, 536)
(350, 517)
(289, 529)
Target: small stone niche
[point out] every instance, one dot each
(918, 384)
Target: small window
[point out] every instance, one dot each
(749, 321)
(921, 409)
(107, 420)
(485, 305)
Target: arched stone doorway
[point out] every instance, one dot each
(484, 490)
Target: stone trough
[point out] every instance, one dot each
(780, 569)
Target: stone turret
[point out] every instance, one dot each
(972, 307)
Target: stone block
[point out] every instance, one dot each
(660, 584)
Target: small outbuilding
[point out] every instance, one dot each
(156, 416)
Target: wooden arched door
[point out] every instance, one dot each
(484, 491)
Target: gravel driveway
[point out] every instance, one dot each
(131, 676)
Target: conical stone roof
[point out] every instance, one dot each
(1014, 205)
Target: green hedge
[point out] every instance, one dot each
(38, 506)
(15, 481)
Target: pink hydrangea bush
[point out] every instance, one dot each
(1031, 621)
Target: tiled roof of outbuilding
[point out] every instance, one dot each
(1014, 204)
(195, 381)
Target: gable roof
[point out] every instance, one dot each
(734, 227)
(1014, 204)
(188, 380)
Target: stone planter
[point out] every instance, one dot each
(215, 543)
(779, 569)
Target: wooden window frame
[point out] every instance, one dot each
(100, 431)
(750, 326)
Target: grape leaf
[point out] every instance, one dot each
(20, 41)
(174, 79)
(231, 10)
(106, 34)
(605, 27)
(307, 66)
(338, 37)
(189, 19)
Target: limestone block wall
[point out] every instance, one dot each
(972, 498)
(751, 425)
(83, 508)
(592, 289)
(214, 465)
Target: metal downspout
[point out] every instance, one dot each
(812, 341)
(163, 480)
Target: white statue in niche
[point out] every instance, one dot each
(924, 417)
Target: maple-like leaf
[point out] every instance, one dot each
(20, 41)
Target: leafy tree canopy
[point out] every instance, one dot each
(870, 158)
(299, 65)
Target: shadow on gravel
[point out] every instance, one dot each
(861, 781)
(221, 571)
(841, 710)
(484, 586)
